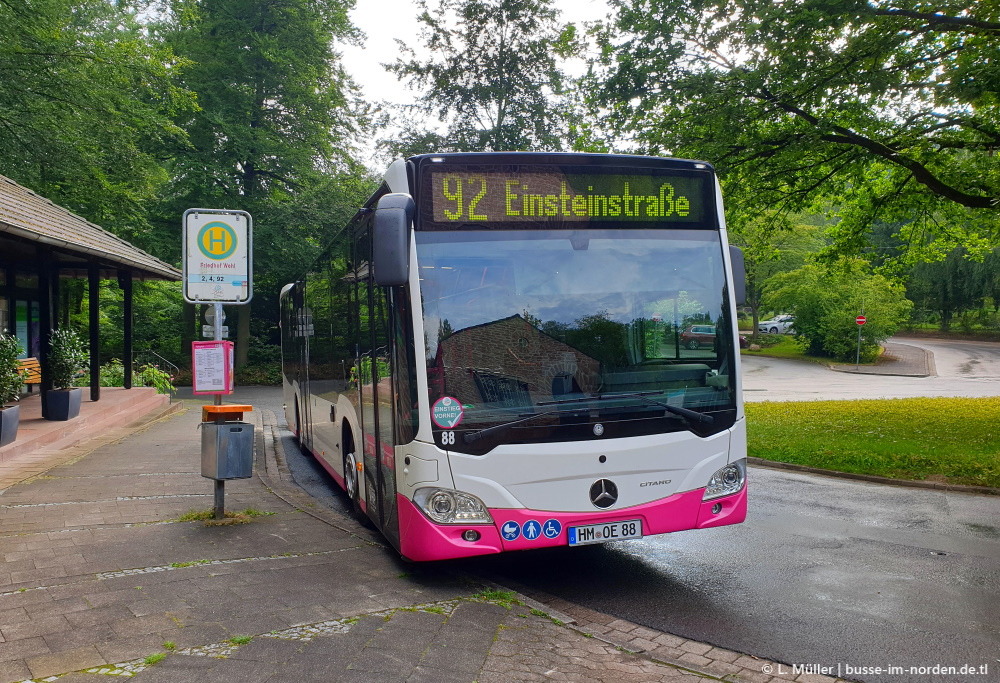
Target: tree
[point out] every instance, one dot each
(274, 129)
(890, 107)
(826, 303)
(954, 286)
(492, 75)
(771, 245)
(87, 100)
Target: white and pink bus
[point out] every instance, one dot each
(499, 353)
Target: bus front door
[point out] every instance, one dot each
(375, 382)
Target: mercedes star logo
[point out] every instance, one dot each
(603, 493)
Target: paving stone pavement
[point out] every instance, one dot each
(102, 576)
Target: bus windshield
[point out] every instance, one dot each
(573, 334)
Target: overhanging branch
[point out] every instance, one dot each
(939, 21)
(921, 173)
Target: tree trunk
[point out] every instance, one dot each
(753, 301)
(242, 335)
(189, 328)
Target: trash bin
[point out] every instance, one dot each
(226, 442)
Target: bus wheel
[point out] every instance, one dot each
(351, 480)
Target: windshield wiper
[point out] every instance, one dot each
(693, 415)
(472, 437)
(642, 396)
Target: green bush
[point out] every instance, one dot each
(826, 302)
(152, 376)
(113, 375)
(262, 374)
(11, 373)
(68, 357)
(259, 374)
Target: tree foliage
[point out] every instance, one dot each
(826, 302)
(275, 105)
(948, 288)
(87, 101)
(772, 245)
(274, 131)
(492, 74)
(892, 107)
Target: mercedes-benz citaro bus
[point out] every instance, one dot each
(488, 357)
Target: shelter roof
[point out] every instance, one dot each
(31, 218)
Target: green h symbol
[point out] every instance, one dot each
(217, 236)
(214, 243)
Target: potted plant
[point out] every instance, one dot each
(11, 381)
(67, 358)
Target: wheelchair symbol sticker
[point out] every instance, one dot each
(551, 529)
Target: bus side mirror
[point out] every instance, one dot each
(391, 240)
(739, 275)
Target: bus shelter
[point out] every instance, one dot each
(41, 245)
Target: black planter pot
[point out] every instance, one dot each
(10, 416)
(64, 404)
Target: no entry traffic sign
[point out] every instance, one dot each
(861, 320)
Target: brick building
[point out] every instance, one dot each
(511, 362)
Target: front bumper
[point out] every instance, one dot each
(422, 540)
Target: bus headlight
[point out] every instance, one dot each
(727, 481)
(446, 506)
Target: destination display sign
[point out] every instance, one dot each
(468, 197)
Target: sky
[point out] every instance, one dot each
(384, 20)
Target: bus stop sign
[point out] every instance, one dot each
(218, 256)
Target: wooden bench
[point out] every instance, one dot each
(33, 371)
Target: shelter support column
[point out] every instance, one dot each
(94, 301)
(45, 315)
(125, 282)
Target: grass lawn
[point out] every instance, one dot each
(950, 440)
(786, 346)
(783, 346)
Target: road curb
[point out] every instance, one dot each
(850, 370)
(709, 662)
(916, 361)
(274, 474)
(873, 479)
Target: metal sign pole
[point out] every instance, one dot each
(857, 360)
(220, 484)
(218, 269)
(860, 320)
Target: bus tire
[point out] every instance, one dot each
(352, 483)
(298, 421)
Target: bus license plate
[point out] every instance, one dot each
(601, 533)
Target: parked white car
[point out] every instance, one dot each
(779, 324)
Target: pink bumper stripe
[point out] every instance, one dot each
(422, 540)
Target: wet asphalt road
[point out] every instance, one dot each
(824, 571)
